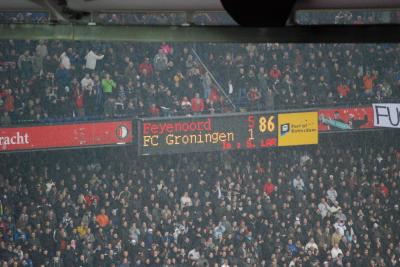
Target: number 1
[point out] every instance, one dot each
(251, 134)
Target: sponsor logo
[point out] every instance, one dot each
(298, 128)
(285, 128)
(121, 132)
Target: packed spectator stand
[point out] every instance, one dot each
(49, 81)
(349, 17)
(335, 204)
(165, 18)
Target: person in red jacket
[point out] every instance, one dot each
(269, 187)
(197, 104)
(368, 80)
(90, 198)
(343, 90)
(214, 95)
(79, 102)
(145, 68)
(8, 100)
(384, 190)
(154, 111)
(275, 73)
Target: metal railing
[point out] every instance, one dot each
(123, 116)
(219, 87)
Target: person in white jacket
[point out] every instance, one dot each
(64, 60)
(186, 201)
(336, 251)
(331, 194)
(340, 226)
(311, 245)
(91, 59)
(87, 82)
(194, 255)
(325, 210)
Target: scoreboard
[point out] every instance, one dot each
(226, 132)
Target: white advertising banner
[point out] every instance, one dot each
(387, 115)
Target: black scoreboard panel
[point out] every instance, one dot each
(207, 133)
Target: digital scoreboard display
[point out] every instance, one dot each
(203, 134)
(220, 132)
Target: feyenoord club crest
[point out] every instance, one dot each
(121, 132)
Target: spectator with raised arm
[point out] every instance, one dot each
(91, 60)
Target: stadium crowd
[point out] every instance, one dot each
(24, 17)
(166, 18)
(350, 17)
(306, 17)
(47, 81)
(132, 18)
(335, 204)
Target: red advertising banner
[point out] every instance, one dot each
(66, 135)
(344, 119)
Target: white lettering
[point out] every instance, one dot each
(17, 139)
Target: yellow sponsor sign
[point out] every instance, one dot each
(298, 129)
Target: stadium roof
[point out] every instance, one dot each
(62, 9)
(183, 5)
